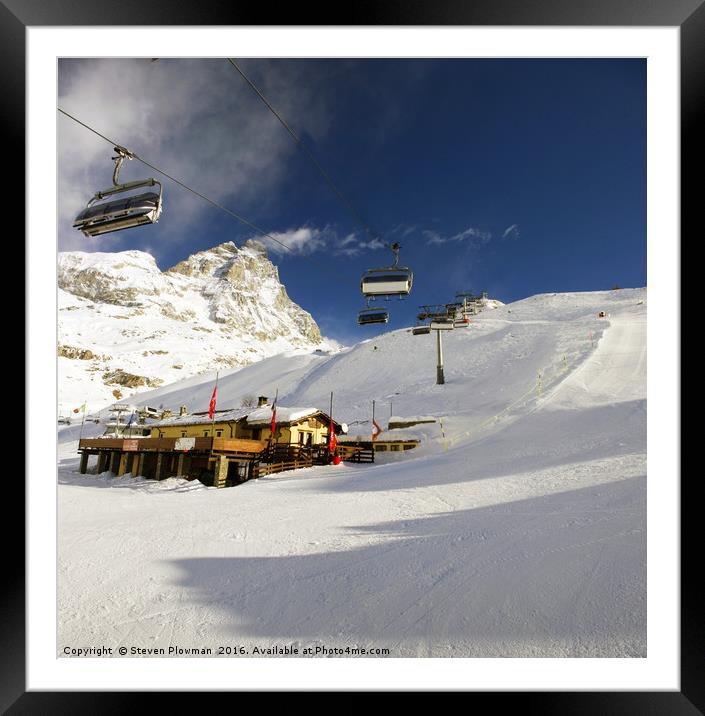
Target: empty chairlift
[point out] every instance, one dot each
(122, 213)
(372, 315)
(388, 280)
(443, 324)
(420, 330)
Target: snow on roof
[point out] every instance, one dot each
(263, 415)
(202, 418)
(255, 416)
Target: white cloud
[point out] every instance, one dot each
(402, 230)
(511, 232)
(476, 237)
(373, 244)
(304, 240)
(195, 119)
(351, 245)
(309, 239)
(349, 239)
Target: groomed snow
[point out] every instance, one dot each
(516, 528)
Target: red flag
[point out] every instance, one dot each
(377, 429)
(333, 442)
(211, 407)
(274, 415)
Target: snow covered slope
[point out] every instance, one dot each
(517, 528)
(126, 326)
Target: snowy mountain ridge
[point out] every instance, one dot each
(126, 326)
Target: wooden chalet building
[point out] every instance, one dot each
(234, 446)
(303, 427)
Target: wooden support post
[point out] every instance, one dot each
(221, 471)
(84, 463)
(180, 465)
(158, 469)
(102, 461)
(114, 461)
(140, 464)
(122, 464)
(135, 469)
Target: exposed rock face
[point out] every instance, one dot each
(120, 377)
(220, 308)
(79, 353)
(243, 291)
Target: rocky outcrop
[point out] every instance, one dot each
(121, 377)
(74, 353)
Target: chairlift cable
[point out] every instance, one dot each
(356, 214)
(242, 220)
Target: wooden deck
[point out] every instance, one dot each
(213, 461)
(180, 445)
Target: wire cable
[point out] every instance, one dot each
(242, 220)
(356, 214)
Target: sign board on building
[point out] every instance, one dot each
(130, 445)
(185, 443)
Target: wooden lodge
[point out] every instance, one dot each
(305, 427)
(214, 461)
(228, 449)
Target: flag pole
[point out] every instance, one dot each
(82, 421)
(274, 418)
(330, 428)
(213, 418)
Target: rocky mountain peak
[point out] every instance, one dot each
(220, 307)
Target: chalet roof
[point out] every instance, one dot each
(221, 416)
(254, 416)
(263, 415)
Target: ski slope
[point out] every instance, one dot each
(517, 528)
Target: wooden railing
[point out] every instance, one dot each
(260, 470)
(356, 453)
(202, 444)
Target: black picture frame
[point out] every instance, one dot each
(688, 15)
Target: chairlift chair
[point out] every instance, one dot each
(432, 312)
(420, 330)
(442, 325)
(388, 280)
(372, 315)
(122, 213)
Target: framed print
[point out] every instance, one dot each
(451, 490)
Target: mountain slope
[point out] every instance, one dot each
(517, 528)
(126, 326)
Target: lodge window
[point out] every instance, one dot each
(256, 434)
(218, 433)
(205, 433)
(183, 433)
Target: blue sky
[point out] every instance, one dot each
(512, 176)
